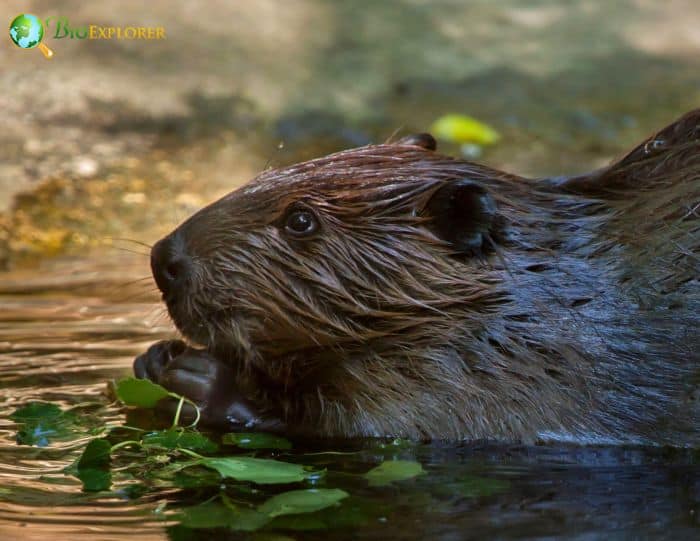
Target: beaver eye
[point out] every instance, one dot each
(301, 223)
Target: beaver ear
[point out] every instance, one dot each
(462, 213)
(423, 140)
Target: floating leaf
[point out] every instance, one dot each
(174, 467)
(141, 393)
(393, 470)
(353, 513)
(36, 411)
(258, 470)
(303, 522)
(95, 454)
(302, 501)
(218, 515)
(461, 129)
(95, 480)
(254, 440)
(42, 422)
(174, 438)
(38, 435)
(193, 478)
(92, 468)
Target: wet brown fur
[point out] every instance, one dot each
(578, 321)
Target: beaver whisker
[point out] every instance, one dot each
(134, 241)
(122, 249)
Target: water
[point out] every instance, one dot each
(62, 336)
(66, 329)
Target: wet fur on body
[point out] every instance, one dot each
(574, 316)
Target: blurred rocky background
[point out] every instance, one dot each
(116, 139)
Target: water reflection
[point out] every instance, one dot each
(66, 332)
(60, 342)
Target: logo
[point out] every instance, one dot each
(26, 31)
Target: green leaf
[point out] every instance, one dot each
(258, 470)
(302, 501)
(95, 455)
(353, 513)
(308, 522)
(92, 468)
(141, 393)
(36, 411)
(393, 470)
(174, 438)
(39, 435)
(95, 480)
(194, 478)
(254, 440)
(171, 469)
(218, 515)
(43, 422)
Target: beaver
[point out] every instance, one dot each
(389, 290)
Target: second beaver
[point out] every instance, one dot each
(392, 291)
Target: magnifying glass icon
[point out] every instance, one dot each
(26, 31)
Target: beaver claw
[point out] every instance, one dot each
(203, 379)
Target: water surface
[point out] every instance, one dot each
(67, 329)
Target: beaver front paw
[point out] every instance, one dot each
(206, 381)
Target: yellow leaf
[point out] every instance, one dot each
(462, 129)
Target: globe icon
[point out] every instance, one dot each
(26, 31)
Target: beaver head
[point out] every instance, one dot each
(338, 253)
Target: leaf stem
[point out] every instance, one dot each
(190, 453)
(126, 443)
(178, 412)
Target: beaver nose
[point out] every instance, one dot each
(170, 264)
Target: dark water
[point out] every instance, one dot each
(64, 333)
